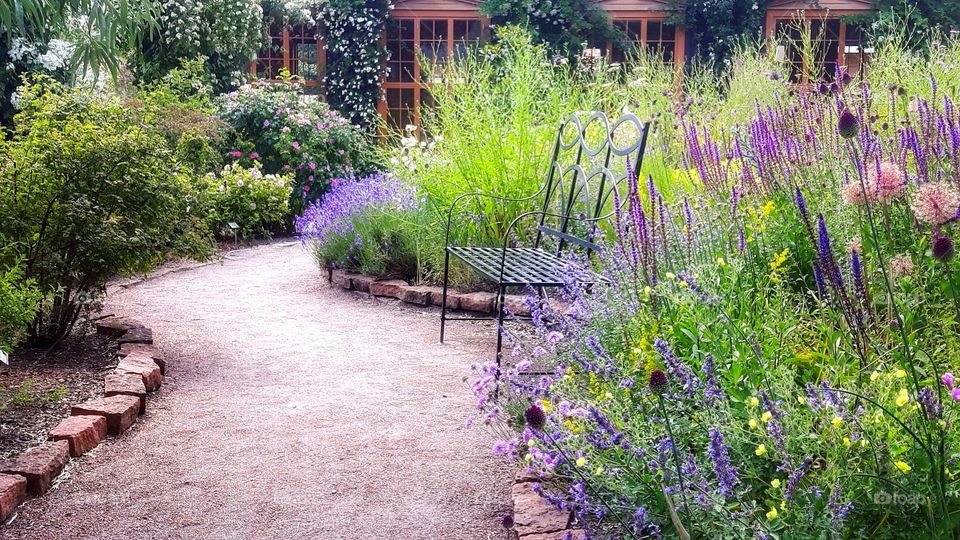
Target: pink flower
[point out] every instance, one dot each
(901, 266)
(306, 187)
(853, 193)
(890, 183)
(936, 203)
(310, 178)
(254, 155)
(236, 154)
(295, 145)
(286, 167)
(947, 379)
(266, 123)
(312, 165)
(955, 394)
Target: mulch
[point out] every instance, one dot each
(37, 389)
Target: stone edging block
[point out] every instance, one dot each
(140, 369)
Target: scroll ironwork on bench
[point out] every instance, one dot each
(578, 194)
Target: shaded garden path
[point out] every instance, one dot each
(290, 410)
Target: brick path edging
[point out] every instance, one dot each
(476, 302)
(536, 519)
(139, 371)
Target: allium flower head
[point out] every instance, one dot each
(936, 203)
(507, 521)
(535, 417)
(901, 266)
(658, 381)
(889, 183)
(848, 124)
(854, 194)
(942, 248)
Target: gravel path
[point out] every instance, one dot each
(290, 410)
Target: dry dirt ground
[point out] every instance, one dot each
(290, 410)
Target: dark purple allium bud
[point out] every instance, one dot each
(845, 78)
(823, 89)
(535, 417)
(774, 75)
(942, 248)
(834, 88)
(507, 521)
(658, 381)
(901, 91)
(848, 125)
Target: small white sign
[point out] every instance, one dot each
(233, 225)
(4, 357)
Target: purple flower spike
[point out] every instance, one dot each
(723, 469)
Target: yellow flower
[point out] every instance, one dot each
(874, 376)
(599, 471)
(752, 423)
(766, 416)
(670, 275)
(761, 450)
(647, 290)
(903, 397)
(846, 442)
(801, 399)
(900, 373)
(721, 261)
(776, 265)
(836, 421)
(772, 514)
(528, 457)
(546, 406)
(902, 466)
(581, 461)
(608, 395)
(754, 401)
(775, 482)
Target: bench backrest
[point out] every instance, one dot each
(593, 157)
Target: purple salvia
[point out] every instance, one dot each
(723, 468)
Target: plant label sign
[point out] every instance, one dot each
(233, 225)
(4, 357)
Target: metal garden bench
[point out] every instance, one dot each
(577, 195)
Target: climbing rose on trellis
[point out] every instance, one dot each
(355, 56)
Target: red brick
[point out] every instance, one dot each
(342, 279)
(115, 326)
(120, 411)
(13, 491)
(126, 384)
(480, 302)
(39, 465)
(143, 349)
(148, 370)
(517, 305)
(453, 299)
(82, 433)
(392, 288)
(360, 282)
(421, 296)
(137, 334)
(532, 514)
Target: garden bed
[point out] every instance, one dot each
(37, 389)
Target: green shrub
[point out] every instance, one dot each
(257, 203)
(19, 301)
(88, 191)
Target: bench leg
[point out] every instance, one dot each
(501, 307)
(443, 303)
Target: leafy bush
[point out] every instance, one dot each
(289, 132)
(88, 191)
(257, 203)
(371, 224)
(19, 301)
